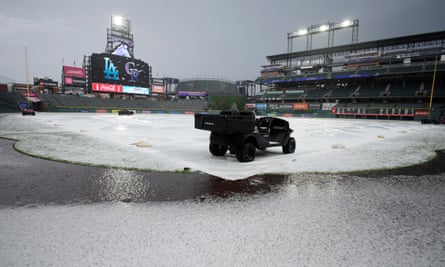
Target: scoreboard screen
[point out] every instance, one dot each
(112, 69)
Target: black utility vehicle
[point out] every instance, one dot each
(28, 111)
(125, 112)
(242, 133)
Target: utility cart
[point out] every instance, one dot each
(242, 133)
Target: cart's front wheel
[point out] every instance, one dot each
(217, 149)
(246, 152)
(289, 147)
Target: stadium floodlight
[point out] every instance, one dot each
(119, 37)
(323, 28)
(121, 24)
(346, 23)
(117, 20)
(302, 32)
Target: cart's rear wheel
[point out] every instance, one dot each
(217, 149)
(246, 152)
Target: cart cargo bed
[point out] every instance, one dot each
(226, 122)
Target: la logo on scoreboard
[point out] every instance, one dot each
(110, 71)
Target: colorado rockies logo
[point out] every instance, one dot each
(132, 71)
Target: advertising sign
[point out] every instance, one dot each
(74, 81)
(157, 89)
(275, 106)
(300, 106)
(112, 69)
(261, 106)
(107, 88)
(187, 93)
(314, 106)
(136, 90)
(117, 88)
(74, 72)
(421, 112)
(46, 83)
(328, 106)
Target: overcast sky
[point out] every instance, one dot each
(190, 38)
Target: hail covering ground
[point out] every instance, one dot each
(312, 220)
(167, 142)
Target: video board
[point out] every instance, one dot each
(45, 82)
(70, 71)
(160, 89)
(112, 69)
(118, 88)
(73, 76)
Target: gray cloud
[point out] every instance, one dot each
(178, 38)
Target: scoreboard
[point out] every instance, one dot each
(117, 74)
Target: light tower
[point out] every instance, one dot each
(120, 37)
(329, 27)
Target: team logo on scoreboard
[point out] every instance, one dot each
(110, 71)
(132, 71)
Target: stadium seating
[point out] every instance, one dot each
(79, 102)
(372, 90)
(411, 105)
(343, 92)
(50, 99)
(439, 88)
(273, 94)
(212, 86)
(373, 71)
(316, 93)
(440, 66)
(405, 69)
(344, 74)
(404, 89)
(69, 100)
(316, 76)
(9, 102)
(294, 94)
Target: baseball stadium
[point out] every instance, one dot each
(399, 78)
(331, 155)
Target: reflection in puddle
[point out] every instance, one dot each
(134, 186)
(137, 186)
(255, 185)
(122, 185)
